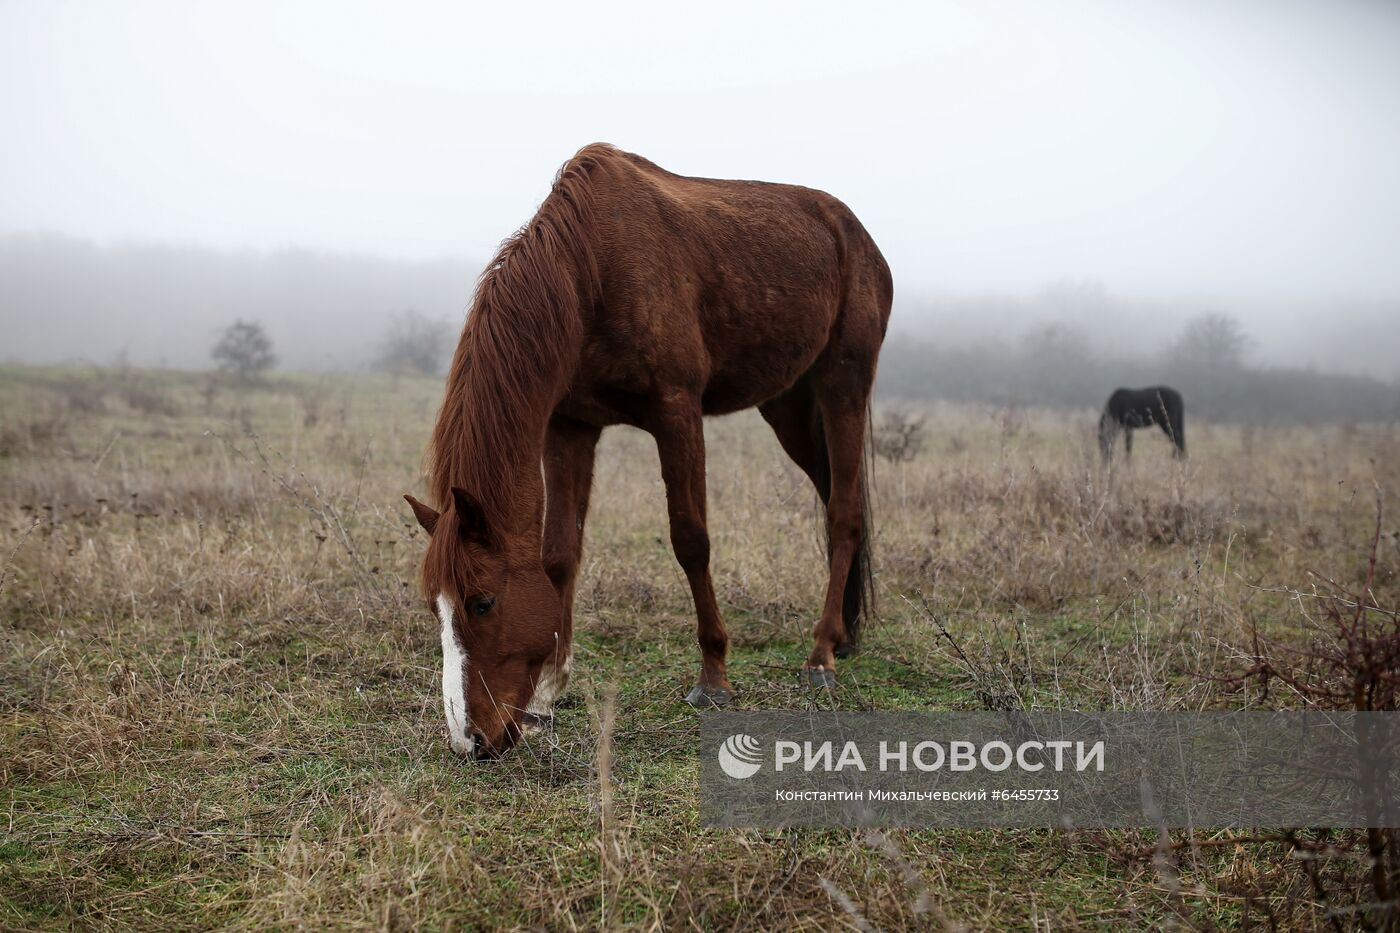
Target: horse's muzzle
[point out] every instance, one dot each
(486, 751)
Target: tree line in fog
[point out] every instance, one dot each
(1059, 365)
(66, 301)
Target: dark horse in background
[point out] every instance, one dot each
(636, 296)
(1141, 408)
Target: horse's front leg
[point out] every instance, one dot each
(680, 442)
(568, 480)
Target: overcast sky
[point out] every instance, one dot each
(1225, 147)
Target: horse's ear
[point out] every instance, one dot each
(471, 518)
(427, 516)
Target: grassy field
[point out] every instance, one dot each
(219, 700)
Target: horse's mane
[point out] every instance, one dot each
(510, 365)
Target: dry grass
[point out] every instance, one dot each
(218, 695)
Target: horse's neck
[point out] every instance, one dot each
(508, 477)
(525, 516)
(518, 354)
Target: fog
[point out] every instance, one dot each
(150, 304)
(1121, 166)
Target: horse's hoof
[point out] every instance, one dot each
(703, 697)
(819, 678)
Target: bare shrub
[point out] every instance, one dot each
(145, 397)
(1350, 661)
(36, 433)
(1012, 420)
(209, 391)
(899, 434)
(312, 402)
(81, 396)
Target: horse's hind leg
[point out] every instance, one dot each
(1178, 433)
(796, 421)
(680, 443)
(1166, 425)
(843, 393)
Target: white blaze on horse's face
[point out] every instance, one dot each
(454, 694)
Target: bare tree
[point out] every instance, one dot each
(414, 343)
(1060, 341)
(244, 349)
(1212, 342)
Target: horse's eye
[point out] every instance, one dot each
(483, 605)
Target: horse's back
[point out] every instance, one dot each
(737, 231)
(739, 285)
(1137, 398)
(1164, 397)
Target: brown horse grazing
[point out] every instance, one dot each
(635, 296)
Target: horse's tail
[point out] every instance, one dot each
(858, 600)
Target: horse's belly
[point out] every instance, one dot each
(756, 370)
(726, 396)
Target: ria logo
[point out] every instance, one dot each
(739, 756)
